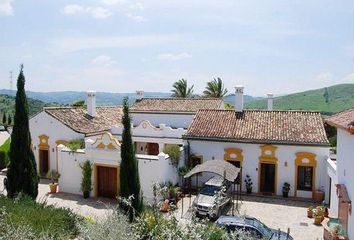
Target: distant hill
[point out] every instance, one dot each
(230, 99)
(69, 97)
(327, 100)
(7, 105)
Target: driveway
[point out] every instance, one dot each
(96, 208)
(275, 213)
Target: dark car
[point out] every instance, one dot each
(253, 226)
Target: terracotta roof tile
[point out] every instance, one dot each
(77, 118)
(344, 120)
(282, 127)
(188, 105)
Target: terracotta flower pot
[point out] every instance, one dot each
(318, 220)
(309, 213)
(53, 187)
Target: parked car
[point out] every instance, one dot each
(252, 225)
(209, 202)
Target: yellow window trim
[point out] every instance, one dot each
(268, 153)
(310, 162)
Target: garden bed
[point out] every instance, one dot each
(38, 218)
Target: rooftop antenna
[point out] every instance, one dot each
(10, 80)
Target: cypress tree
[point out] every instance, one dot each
(129, 172)
(9, 120)
(4, 118)
(22, 174)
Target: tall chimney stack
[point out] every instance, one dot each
(239, 98)
(270, 98)
(139, 95)
(91, 103)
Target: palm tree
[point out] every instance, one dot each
(181, 90)
(215, 89)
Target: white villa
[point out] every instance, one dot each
(341, 170)
(272, 147)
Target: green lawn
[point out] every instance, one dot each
(59, 223)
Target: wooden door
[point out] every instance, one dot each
(267, 178)
(43, 162)
(107, 182)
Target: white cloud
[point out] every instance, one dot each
(324, 77)
(113, 2)
(349, 77)
(6, 7)
(71, 44)
(173, 57)
(96, 12)
(137, 6)
(136, 18)
(103, 60)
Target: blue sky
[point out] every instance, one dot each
(124, 45)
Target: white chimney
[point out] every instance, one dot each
(139, 95)
(239, 98)
(91, 103)
(270, 97)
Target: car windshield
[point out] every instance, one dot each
(209, 190)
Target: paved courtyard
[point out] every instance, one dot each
(275, 213)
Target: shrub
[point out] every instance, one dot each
(53, 175)
(113, 226)
(174, 153)
(75, 144)
(86, 183)
(23, 218)
(4, 154)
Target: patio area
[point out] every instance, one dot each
(274, 212)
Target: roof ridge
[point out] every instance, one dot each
(80, 107)
(181, 98)
(261, 110)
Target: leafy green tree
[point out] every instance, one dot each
(22, 174)
(215, 89)
(80, 103)
(9, 120)
(129, 172)
(181, 89)
(4, 118)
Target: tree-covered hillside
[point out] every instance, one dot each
(7, 106)
(327, 100)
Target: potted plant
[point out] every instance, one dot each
(54, 176)
(317, 216)
(286, 189)
(335, 231)
(249, 184)
(86, 183)
(310, 212)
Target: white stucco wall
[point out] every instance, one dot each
(173, 120)
(345, 169)
(44, 124)
(284, 153)
(332, 173)
(152, 169)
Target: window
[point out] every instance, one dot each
(304, 178)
